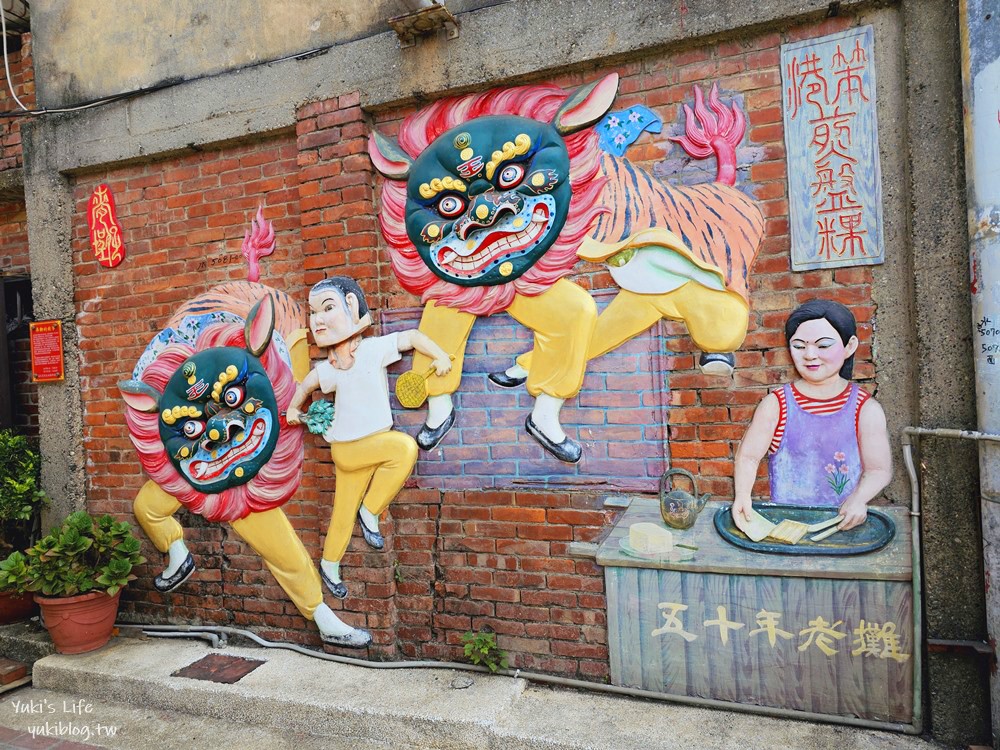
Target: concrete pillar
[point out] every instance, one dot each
(980, 29)
(48, 197)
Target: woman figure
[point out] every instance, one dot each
(826, 438)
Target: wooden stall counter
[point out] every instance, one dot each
(822, 634)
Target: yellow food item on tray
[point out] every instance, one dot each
(789, 532)
(650, 538)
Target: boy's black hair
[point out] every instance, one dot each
(836, 314)
(344, 285)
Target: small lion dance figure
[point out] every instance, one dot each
(205, 411)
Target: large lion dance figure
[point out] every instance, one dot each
(205, 410)
(489, 202)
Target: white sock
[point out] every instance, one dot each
(178, 554)
(515, 371)
(545, 415)
(328, 623)
(439, 408)
(369, 519)
(332, 570)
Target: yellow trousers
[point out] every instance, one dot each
(370, 471)
(562, 319)
(716, 320)
(269, 534)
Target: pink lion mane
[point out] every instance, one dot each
(418, 131)
(277, 479)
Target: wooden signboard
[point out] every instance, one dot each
(831, 138)
(46, 351)
(818, 634)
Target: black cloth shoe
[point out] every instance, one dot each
(717, 364)
(504, 380)
(374, 539)
(357, 638)
(166, 585)
(428, 437)
(568, 450)
(339, 590)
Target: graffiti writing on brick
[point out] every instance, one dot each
(218, 260)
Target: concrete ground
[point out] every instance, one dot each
(126, 696)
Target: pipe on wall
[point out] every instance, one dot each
(200, 631)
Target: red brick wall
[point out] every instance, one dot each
(455, 560)
(22, 78)
(183, 222)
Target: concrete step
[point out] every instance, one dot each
(292, 695)
(25, 641)
(116, 725)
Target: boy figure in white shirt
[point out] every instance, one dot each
(372, 460)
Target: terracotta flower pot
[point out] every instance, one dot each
(16, 607)
(79, 623)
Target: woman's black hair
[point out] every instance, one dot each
(836, 314)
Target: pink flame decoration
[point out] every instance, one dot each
(258, 242)
(718, 133)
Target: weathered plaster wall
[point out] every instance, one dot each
(82, 43)
(945, 388)
(921, 362)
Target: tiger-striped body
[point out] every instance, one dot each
(238, 297)
(720, 225)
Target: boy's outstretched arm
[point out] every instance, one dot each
(414, 339)
(302, 391)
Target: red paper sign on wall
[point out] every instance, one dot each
(46, 351)
(105, 231)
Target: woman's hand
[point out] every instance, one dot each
(741, 510)
(854, 511)
(293, 416)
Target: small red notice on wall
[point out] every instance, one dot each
(46, 351)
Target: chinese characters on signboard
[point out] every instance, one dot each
(831, 140)
(46, 351)
(105, 230)
(869, 639)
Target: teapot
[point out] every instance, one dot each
(679, 508)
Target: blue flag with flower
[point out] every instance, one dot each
(619, 130)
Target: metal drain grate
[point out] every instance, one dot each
(219, 668)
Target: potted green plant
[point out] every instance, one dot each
(21, 504)
(77, 572)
